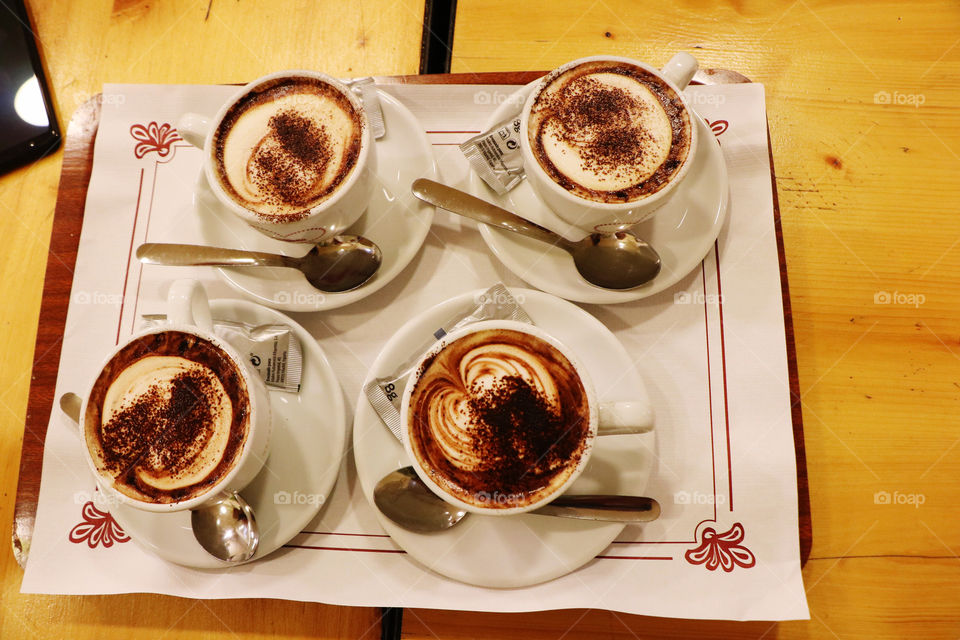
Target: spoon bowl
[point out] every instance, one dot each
(620, 261)
(343, 264)
(403, 497)
(226, 528)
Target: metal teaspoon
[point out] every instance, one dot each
(401, 496)
(344, 263)
(619, 261)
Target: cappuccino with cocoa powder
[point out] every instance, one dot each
(287, 146)
(168, 417)
(499, 419)
(609, 131)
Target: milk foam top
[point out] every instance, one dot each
(287, 146)
(609, 131)
(164, 426)
(499, 413)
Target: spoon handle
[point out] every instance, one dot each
(607, 508)
(464, 204)
(188, 255)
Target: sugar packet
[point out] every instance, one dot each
(385, 394)
(495, 155)
(273, 349)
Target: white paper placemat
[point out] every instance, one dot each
(710, 350)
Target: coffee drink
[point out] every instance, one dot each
(498, 419)
(287, 146)
(167, 417)
(609, 131)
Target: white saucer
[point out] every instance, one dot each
(515, 551)
(395, 220)
(682, 231)
(309, 432)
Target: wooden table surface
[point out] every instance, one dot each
(862, 101)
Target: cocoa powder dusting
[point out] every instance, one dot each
(606, 124)
(290, 162)
(520, 436)
(162, 428)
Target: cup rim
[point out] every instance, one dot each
(522, 327)
(532, 165)
(115, 495)
(251, 217)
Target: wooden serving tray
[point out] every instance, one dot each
(68, 220)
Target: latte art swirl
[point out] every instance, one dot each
(499, 412)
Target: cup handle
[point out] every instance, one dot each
(616, 418)
(680, 69)
(70, 404)
(193, 128)
(188, 304)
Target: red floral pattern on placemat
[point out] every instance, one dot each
(722, 550)
(154, 137)
(98, 528)
(717, 126)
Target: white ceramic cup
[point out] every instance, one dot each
(329, 218)
(606, 418)
(189, 312)
(588, 216)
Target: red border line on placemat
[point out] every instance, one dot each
(370, 535)
(723, 366)
(126, 275)
(335, 533)
(307, 546)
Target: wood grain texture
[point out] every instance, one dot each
(862, 101)
(83, 45)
